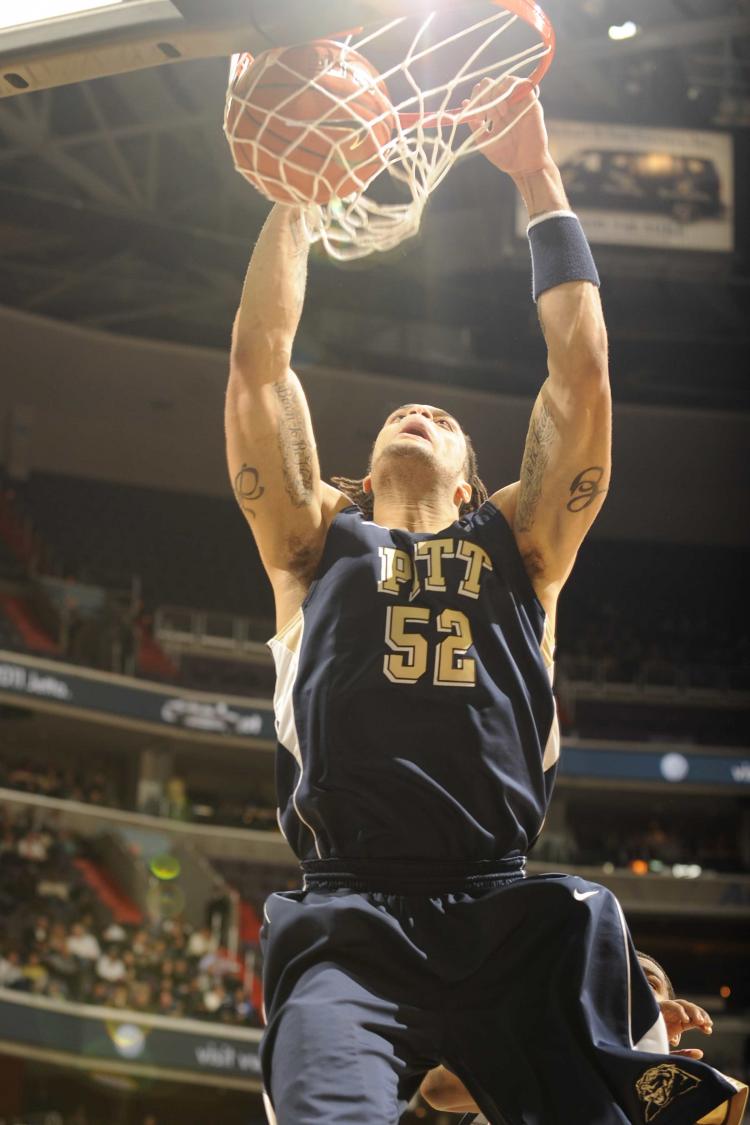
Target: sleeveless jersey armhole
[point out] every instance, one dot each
(522, 581)
(278, 637)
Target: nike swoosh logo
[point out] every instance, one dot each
(581, 895)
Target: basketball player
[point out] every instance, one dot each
(445, 1092)
(417, 733)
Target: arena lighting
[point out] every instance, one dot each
(165, 867)
(623, 30)
(687, 870)
(18, 13)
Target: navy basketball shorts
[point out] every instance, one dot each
(529, 991)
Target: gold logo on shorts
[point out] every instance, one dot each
(660, 1085)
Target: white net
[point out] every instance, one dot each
(361, 141)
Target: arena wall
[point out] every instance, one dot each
(141, 412)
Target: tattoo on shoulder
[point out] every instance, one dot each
(535, 459)
(297, 453)
(248, 489)
(584, 488)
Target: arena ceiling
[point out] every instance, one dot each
(119, 209)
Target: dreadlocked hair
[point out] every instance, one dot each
(365, 501)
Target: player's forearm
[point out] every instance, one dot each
(574, 331)
(542, 190)
(272, 297)
(570, 313)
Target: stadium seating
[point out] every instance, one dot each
(186, 549)
(622, 616)
(58, 937)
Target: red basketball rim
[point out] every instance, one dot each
(532, 14)
(528, 11)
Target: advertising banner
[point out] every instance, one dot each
(47, 684)
(138, 1043)
(637, 186)
(672, 766)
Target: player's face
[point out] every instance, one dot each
(423, 432)
(655, 978)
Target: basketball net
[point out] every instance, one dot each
(429, 132)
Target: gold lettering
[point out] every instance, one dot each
(453, 668)
(395, 569)
(435, 550)
(476, 560)
(407, 660)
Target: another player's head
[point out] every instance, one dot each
(425, 447)
(661, 985)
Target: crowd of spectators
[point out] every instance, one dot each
(679, 839)
(652, 613)
(56, 940)
(94, 785)
(640, 613)
(606, 836)
(89, 785)
(622, 646)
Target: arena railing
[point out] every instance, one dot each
(218, 841)
(177, 628)
(711, 894)
(668, 679)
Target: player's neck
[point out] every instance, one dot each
(423, 513)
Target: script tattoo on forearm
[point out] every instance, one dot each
(535, 459)
(584, 488)
(296, 451)
(248, 489)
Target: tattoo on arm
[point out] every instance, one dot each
(535, 459)
(584, 488)
(300, 236)
(297, 454)
(248, 489)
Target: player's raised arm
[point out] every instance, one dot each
(566, 464)
(271, 453)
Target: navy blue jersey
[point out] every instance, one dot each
(414, 705)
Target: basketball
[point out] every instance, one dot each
(308, 122)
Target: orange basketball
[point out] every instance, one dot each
(308, 121)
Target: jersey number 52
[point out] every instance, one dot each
(409, 656)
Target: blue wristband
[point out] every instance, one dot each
(559, 252)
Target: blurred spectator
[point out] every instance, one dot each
(111, 967)
(33, 846)
(11, 973)
(93, 786)
(201, 942)
(60, 951)
(114, 933)
(83, 944)
(607, 835)
(35, 973)
(177, 803)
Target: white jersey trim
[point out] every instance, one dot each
(270, 1115)
(552, 747)
(656, 1040)
(285, 648)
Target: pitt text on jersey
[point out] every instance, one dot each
(408, 657)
